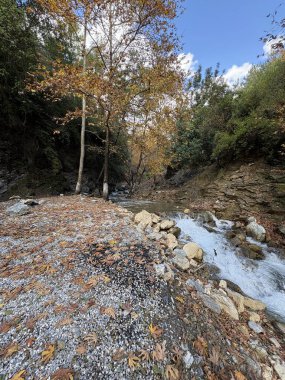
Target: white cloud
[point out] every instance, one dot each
(267, 47)
(236, 74)
(187, 63)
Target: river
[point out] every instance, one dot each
(263, 279)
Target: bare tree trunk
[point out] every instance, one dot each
(83, 121)
(106, 165)
(107, 140)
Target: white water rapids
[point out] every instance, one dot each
(263, 279)
(260, 279)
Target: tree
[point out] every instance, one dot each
(124, 36)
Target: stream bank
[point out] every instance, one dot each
(81, 293)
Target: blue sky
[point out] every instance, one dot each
(225, 31)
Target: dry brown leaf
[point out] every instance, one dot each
(48, 353)
(201, 345)
(81, 350)
(215, 355)
(159, 353)
(63, 374)
(108, 311)
(10, 350)
(30, 341)
(91, 338)
(65, 321)
(133, 361)
(144, 355)
(5, 327)
(19, 375)
(239, 376)
(177, 355)
(171, 373)
(119, 355)
(155, 331)
(92, 281)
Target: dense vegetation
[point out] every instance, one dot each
(40, 132)
(226, 124)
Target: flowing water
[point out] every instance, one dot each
(263, 279)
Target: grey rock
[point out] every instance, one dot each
(181, 261)
(160, 269)
(195, 284)
(188, 359)
(255, 327)
(210, 303)
(256, 231)
(18, 209)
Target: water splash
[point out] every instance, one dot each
(263, 280)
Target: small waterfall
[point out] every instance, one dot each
(262, 279)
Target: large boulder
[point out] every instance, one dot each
(143, 217)
(18, 209)
(166, 224)
(256, 231)
(193, 251)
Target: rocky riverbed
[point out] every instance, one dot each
(89, 290)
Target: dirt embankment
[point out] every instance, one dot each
(234, 192)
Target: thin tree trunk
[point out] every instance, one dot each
(106, 165)
(107, 140)
(83, 121)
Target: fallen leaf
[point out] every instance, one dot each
(65, 321)
(108, 311)
(91, 338)
(119, 355)
(10, 350)
(155, 331)
(19, 375)
(5, 327)
(63, 374)
(180, 299)
(133, 361)
(144, 355)
(30, 342)
(239, 376)
(48, 353)
(171, 373)
(177, 355)
(201, 345)
(159, 353)
(215, 356)
(81, 350)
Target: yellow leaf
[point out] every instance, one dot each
(171, 372)
(2, 305)
(239, 376)
(48, 353)
(19, 375)
(180, 299)
(133, 361)
(155, 331)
